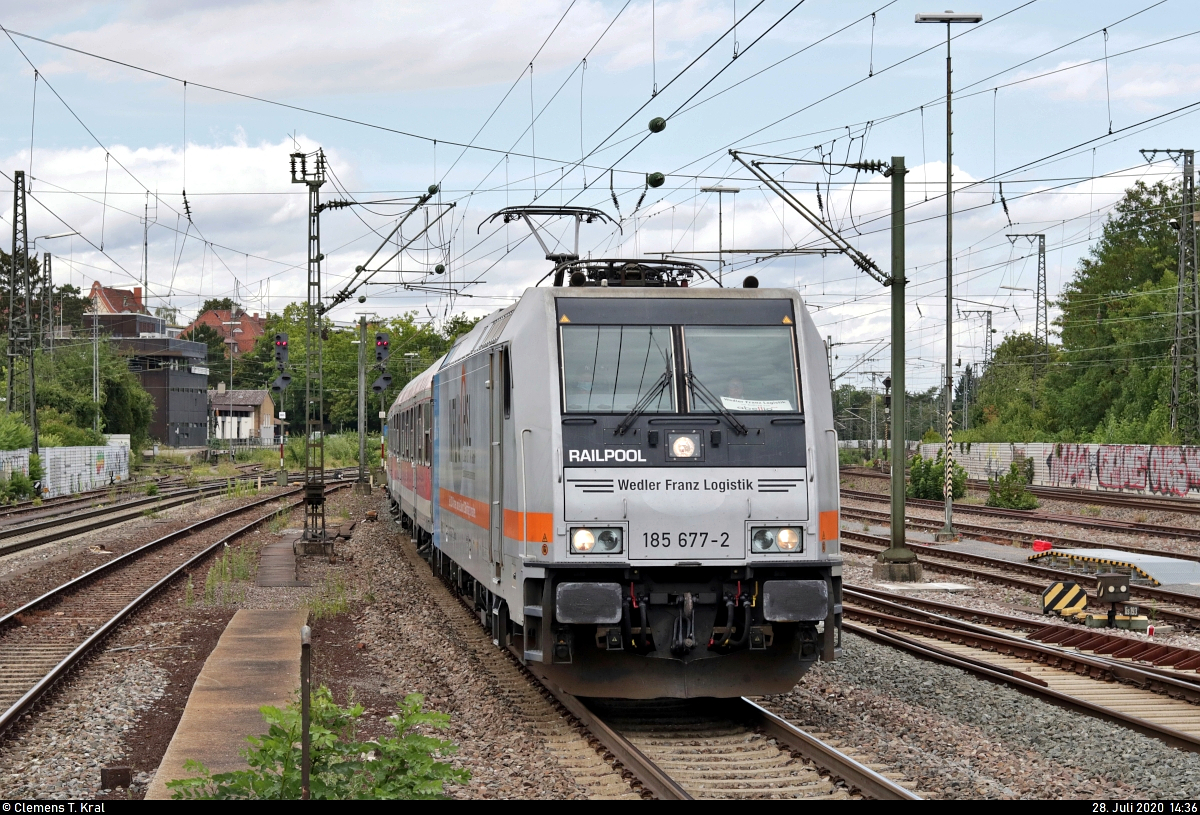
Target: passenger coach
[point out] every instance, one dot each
(636, 487)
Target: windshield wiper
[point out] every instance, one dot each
(643, 403)
(707, 396)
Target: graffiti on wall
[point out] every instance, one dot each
(1125, 467)
(1142, 468)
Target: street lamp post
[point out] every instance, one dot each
(949, 18)
(231, 344)
(720, 191)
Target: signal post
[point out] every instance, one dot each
(278, 387)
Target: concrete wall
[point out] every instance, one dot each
(1125, 468)
(71, 469)
(79, 469)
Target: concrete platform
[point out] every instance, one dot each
(256, 662)
(277, 564)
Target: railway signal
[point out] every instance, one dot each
(281, 382)
(281, 350)
(382, 383)
(382, 349)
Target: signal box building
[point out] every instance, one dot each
(171, 370)
(243, 415)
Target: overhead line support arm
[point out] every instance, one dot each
(859, 259)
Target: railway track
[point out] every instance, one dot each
(50, 530)
(1025, 516)
(997, 534)
(1158, 702)
(685, 749)
(1187, 505)
(739, 749)
(1176, 607)
(41, 641)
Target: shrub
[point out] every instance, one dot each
(931, 437)
(927, 479)
(1008, 491)
(14, 433)
(58, 429)
(342, 768)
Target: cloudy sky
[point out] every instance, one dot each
(507, 103)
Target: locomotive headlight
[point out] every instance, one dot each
(606, 541)
(776, 539)
(685, 445)
(582, 540)
(787, 539)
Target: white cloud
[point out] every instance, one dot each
(372, 46)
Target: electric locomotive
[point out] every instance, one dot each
(634, 481)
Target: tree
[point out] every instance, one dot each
(256, 369)
(218, 351)
(35, 286)
(1109, 377)
(70, 304)
(64, 380)
(218, 304)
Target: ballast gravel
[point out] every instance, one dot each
(414, 647)
(961, 737)
(59, 754)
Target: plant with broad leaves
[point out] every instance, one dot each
(343, 768)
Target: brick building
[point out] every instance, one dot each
(244, 335)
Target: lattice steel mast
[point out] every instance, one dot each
(314, 398)
(1041, 322)
(20, 327)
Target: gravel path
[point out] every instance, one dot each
(961, 737)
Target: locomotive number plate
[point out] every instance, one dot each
(686, 540)
(646, 543)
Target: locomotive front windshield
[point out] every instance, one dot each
(747, 369)
(610, 368)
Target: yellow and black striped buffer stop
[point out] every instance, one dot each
(1064, 599)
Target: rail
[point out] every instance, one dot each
(62, 667)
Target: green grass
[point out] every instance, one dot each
(333, 600)
(279, 520)
(227, 577)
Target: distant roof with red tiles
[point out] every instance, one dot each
(117, 301)
(244, 335)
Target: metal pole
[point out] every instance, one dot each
(1188, 232)
(362, 399)
(898, 552)
(305, 689)
(96, 364)
(874, 432)
(947, 532)
(721, 238)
